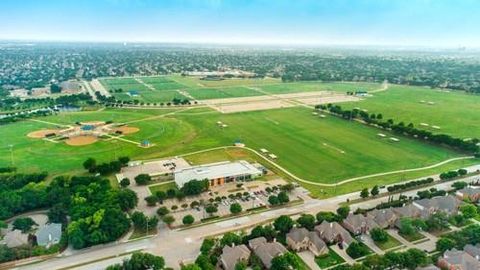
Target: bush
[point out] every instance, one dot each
(188, 220)
(379, 235)
(142, 179)
(357, 250)
(235, 208)
(125, 182)
(24, 224)
(162, 211)
(151, 200)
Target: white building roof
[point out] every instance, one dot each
(214, 171)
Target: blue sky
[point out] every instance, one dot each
(436, 23)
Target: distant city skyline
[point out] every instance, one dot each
(432, 23)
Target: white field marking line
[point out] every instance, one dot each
(145, 84)
(50, 123)
(333, 147)
(273, 121)
(122, 139)
(158, 116)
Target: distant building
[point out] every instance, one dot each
(358, 224)
(458, 260)
(446, 204)
(332, 232)
(49, 235)
(218, 173)
(266, 251)
(231, 256)
(471, 193)
(300, 239)
(15, 238)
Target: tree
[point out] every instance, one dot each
(375, 191)
(194, 187)
(211, 209)
(140, 261)
(273, 200)
(468, 210)
(444, 244)
(235, 208)
(161, 196)
(343, 211)
(406, 226)
(207, 245)
(283, 197)
(192, 266)
(55, 88)
(204, 262)
(124, 160)
(230, 239)
(127, 199)
(151, 200)
(327, 216)
(90, 164)
(357, 250)
(379, 235)
(188, 220)
(437, 221)
(142, 179)
(283, 224)
(162, 211)
(306, 221)
(58, 213)
(125, 182)
(286, 261)
(459, 185)
(23, 224)
(462, 172)
(241, 266)
(364, 193)
(168, 220)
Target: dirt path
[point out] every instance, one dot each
(384, 87)
(158, 116)
(98, 86)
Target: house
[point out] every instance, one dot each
(474, 251)
(471, 193)
(408, 210)
(332, 232)
(358, 224)
(266, 251)
(384, 218)
(231, 256)
(447, 204)
(15, 238)
(300, 239)
(49, 235)
(458, 260)
(218, 173)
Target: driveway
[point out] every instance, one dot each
(309, 259)
(368, 241)
(342, 253)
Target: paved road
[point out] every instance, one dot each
(177, 245)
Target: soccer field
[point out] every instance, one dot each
(454, 112)
(321, 150)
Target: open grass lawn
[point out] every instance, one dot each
(455, 112)
(414, 237)
(329, 259)
(390, 243)
(297, 87)
(224, 92)
(321, 150)
(196, 82)
(162, 187)
(165, 89)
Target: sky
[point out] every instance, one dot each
(432, 23)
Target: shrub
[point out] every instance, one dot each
(188, 220)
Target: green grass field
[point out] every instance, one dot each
(320, 150)
(455, 112)
(224, 92)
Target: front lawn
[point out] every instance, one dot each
(329, 259)
(390, 243)
(414, 237)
